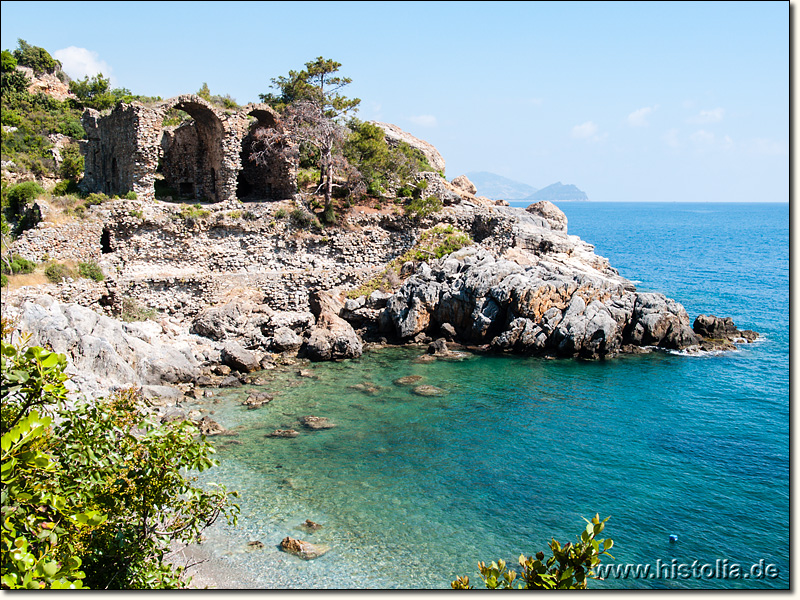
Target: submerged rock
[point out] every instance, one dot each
(255, 545)
(313, 422)
(284, 433)
(257, 400)
(304, 550)
(210, 427)
(408, 380)
(366, 387)
(310, 525)
(428, 390)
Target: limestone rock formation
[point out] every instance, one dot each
(721, 334)
(554, 215)
(239, 358)
(103, 353)
(395, 135)
(333, 338)
(539, 303)
(285, 339)
(462, 182)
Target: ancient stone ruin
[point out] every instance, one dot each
(206, 158)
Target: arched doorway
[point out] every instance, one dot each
(192, 153)
(273, 179)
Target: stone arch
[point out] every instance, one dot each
(275, 180)
(193, 153)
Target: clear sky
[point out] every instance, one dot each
(630, 101)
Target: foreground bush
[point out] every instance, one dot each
(97, 494)
(567, 568)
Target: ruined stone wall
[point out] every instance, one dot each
(203, 157)
(81, 241)
(150, 252)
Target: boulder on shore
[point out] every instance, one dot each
(239, 358)
(333, 338)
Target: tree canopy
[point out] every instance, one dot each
(36, 58)
(318, 83)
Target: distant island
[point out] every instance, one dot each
(558, 192)
(497, 187)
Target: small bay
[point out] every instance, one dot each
(413, 491)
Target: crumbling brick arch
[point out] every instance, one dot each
(274, 180)
(193, 153)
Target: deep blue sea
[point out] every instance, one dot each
(414, 491)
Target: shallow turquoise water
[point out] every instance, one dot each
(413, 491)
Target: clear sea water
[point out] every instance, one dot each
(413, 491)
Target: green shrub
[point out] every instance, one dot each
(66, 187)
(568, 567)
(71, 127)
(381, 167)
(35, 57)
(18, 265)
(90, 270)
(307, 176)
(131, 195)
(3, 280)
(281, 213)
(9, 62)
(94, 199)
(329, 215)
(72, 163)
(300, 218)
(419, 208)
(11, 118)
(193, 212)
(21, 195)
(132, 310)
(55, 272)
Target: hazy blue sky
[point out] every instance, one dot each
(639, 101)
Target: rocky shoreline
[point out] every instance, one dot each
(524, 286)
